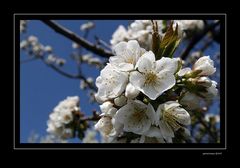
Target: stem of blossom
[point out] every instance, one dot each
(81, 41)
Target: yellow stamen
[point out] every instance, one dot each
(150, 78)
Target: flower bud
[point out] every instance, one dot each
(120, 101)
(206, 65)
(108, 109)
(131, 92)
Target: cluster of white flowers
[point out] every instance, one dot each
(23, 26)
(53, 59)
(35, 48)
(198, 75)
(140, 30)
(189, 26)
(62, 115)
(129, 75)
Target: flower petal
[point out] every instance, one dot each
(133, 48)
(123, 113)
(183, 71)
(150, 91)
(146, 62)
(167, 64)
(165, 81)
(166, 130)
(151, 113)
(120, 48)
(182, 116)
(154, 132)
(136, 79)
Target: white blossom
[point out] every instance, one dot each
(136, 117)
(212, 91)
(75, 45)
(169, 117)
(107, 109)
(86, 57)
(32, 39)
(154, 77)
(23, 44)
(111, 83)
(204, 81)
(23, 25)
(48, 49)
(153, 135)
(119, 35)
(104, 125)
(87, 26)
(62, 114)
(206, 65)
(120, 101)
(131, 92)
(94, 61)
(215, 117)
(191, 101)
(190, 26)
(127, 54)
(140, 30)
(184, 71)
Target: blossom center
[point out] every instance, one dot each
(171, 120)
(130, 60)
(67, 118)
(150, 78)
(138, 114)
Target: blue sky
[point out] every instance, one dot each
(41, 88)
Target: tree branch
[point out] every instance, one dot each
(197, 38)
(79, 40)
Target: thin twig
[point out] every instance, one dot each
(197, 38)
(103, 43)
(94, 117)
(70, 75)
(81, 41)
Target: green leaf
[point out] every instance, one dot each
(169, 43)
(164, 24)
